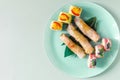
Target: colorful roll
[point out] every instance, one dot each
(72, 46)
(56, 25)
(99, 51)
(75, 11)
(87, 30)
(65, 17)
(92, 60)
(106, 42)
(80, 38)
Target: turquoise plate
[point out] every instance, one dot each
(106, 27)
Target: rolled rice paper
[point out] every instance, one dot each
(72, 46)
(106, 42)
(99, 51)
(92, 60)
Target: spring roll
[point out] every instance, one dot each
(106, 42)
(86, 30)
(99, 51)
(72, 46)
(92, 60)
(80, 38)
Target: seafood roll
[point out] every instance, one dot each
(99, 51)
(92, 60)
(72, 46)
(56, 25)
(80, 38)
(75, 11)
(106, 42)
(65, 17)
(87, 30)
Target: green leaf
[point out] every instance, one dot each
(94, 62)
(64, 27)
(102, 53)
(101, 50)
(91, 22)
(67, 52)
(62, 44)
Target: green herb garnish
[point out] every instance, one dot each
(94, 62)
(101, 52)
(64, 27)
(62, 44)
(67, 52)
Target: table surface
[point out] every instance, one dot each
(22, 52)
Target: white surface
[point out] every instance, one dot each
(22, 53)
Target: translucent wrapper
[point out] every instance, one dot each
(80, 38)
(99, 51)
(106, 42)
(86, 30)
(92, 60)
(72, 46)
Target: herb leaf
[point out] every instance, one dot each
(101, 52)
(67, 52)
(64, 27)
(62, 44)
(94, 62)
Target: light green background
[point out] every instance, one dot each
(22, 53)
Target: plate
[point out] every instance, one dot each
(106, 27)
